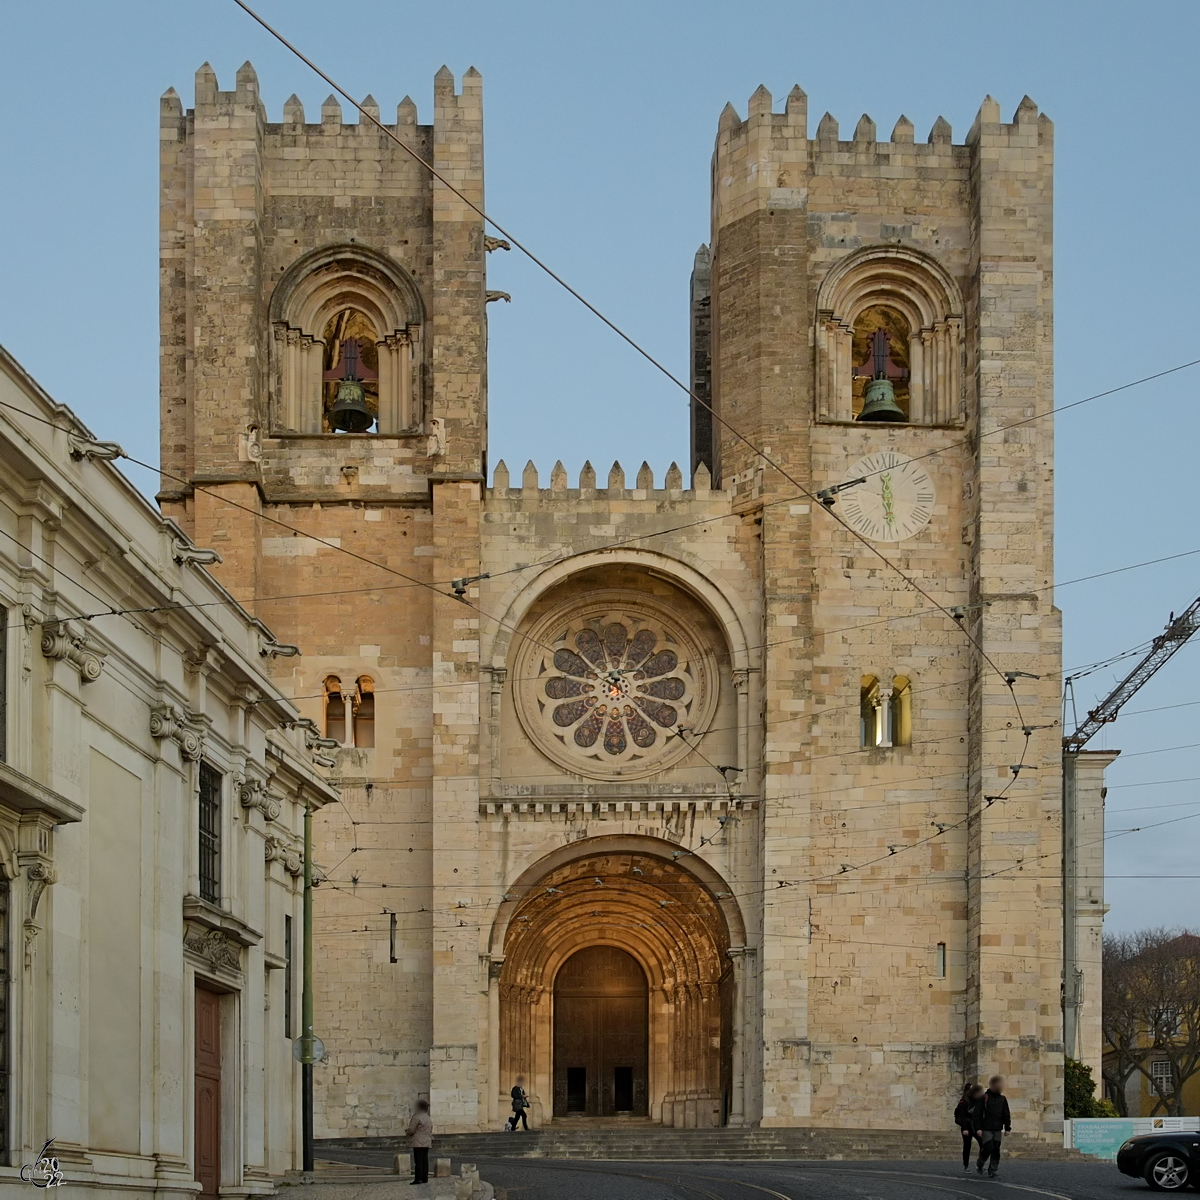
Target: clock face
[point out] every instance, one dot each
(895, 502)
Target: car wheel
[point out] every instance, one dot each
(1166, 1172)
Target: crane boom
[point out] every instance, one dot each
(1176, 635)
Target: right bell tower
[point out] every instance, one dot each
(878, 315)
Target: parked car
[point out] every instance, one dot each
(1168, 1162)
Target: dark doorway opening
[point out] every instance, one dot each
(623, 1089)
(601, 1023)
(576, 1089)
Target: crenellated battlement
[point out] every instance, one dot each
(244, 100)
(529, 485)
(768, 158)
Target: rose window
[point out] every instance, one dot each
(616, 692)
(603, 683)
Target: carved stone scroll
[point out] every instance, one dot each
(254, 794)
(64, 640)
(276, 849)
(168, 723)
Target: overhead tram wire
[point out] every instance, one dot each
(1008, 678)
(758, 451)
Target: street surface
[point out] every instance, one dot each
(561, 1179)
(533, 1179)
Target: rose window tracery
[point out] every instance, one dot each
(605, 691)
(619, 691)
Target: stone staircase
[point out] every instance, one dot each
(656, 1143)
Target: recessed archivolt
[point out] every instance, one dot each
(316, 284)
(686, 577)
(630, 900)
(916, 283)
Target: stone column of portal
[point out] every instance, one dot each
(457, 904)
(1014, 913)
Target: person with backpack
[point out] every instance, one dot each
(964, 1118)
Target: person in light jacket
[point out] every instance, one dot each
(420, 1138)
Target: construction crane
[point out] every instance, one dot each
(1172, 639)
(1083, 880)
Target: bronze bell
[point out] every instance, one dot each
(879, 398)
(879, 402)
(350, 413)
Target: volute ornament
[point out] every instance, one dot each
(64, 640)
(253, 793)
(275, 849)
(168, 723)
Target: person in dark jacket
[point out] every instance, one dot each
(992, 1120)
(964, 1118)
(520, 1102)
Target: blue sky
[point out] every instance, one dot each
(600, 123)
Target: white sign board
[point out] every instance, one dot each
(1103, 1136)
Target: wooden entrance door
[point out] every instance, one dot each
(208, 1091)
(601, 1019)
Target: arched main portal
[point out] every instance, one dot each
(601, 1020)
(663, 921)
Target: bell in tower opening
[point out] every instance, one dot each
(880, 349)
(351, 400)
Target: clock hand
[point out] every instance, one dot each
(889, 510)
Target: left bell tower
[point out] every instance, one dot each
(322, 310)
(324, 425)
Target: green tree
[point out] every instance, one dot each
(1079, 1091)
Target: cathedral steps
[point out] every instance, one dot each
(656, 1143)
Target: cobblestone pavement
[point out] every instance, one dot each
(526, 1179)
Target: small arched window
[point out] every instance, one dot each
(364, 713)
(868, 711)
(335, 710)
(901, 711)
(885, 712)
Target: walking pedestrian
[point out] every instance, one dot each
(520, 1102)
(992, 1120)
(420, 1138)
(964, 1118)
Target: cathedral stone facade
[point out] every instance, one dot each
(724, 803)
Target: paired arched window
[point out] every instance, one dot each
(885, 712)
(350, 712)
(347, 315)
(889, 313)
